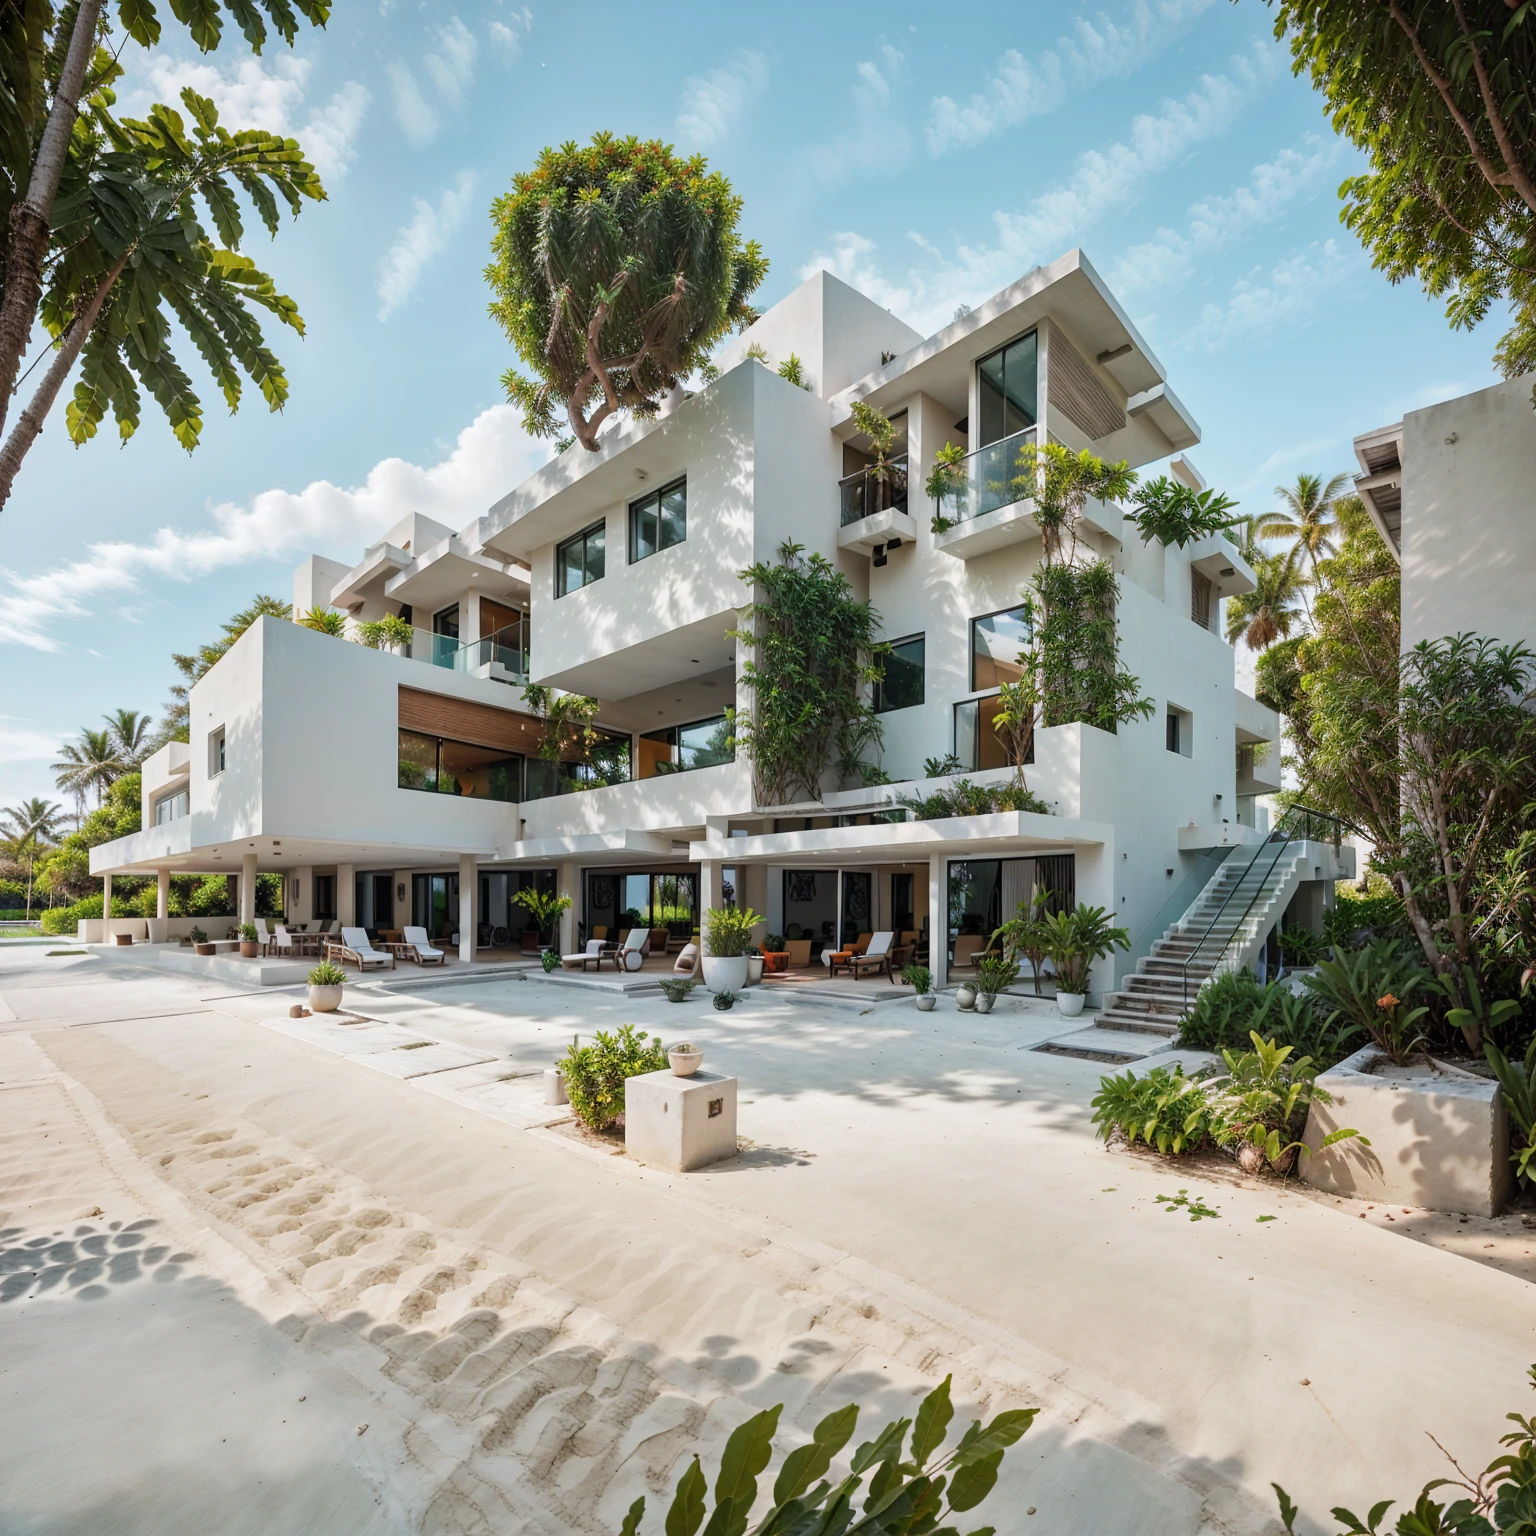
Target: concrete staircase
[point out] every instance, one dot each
(1224, 930)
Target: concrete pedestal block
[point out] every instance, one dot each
(680, 1123)
(1439, 1140)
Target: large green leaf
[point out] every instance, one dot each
(973, 1481)
(807, 1463)
(746, 1455)
(687, 1511)
(932, 1423)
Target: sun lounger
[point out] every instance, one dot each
(415, 946)
(636, 946)
(592, 955)
(876, 960)
(354, 946)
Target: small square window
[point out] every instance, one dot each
(1179, 731)
(902, 685)
(216, 752)
(658, 521)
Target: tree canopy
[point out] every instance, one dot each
(616, 268)
(1439, 98)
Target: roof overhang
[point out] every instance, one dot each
(1216, 558)
(443, 573)
(376, 567)
(593, 848)
(1380, 484)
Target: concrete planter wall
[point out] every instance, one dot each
(1439, 1140)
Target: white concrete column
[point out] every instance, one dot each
(938, 919)
(162, 892)
(469, 879)
(346, 896)
(752, 884)
(709, 896)
(247, 887)
(106, 898)
(303, 910)
(569, 885)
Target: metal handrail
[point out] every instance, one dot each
(1296, 818)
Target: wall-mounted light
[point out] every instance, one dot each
(400, 891)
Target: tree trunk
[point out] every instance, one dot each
(27, 243)
(30, 423)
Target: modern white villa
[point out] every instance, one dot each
(396, 787)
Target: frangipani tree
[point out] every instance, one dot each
(617, 267)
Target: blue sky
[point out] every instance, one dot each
(930, 163)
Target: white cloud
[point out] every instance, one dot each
(1022, 88)
(878, 138)
(418, 122)
(1103, 182)
(255, 95)
(1217, 222)
(1262, 300)
(418, 242)
(452, 67)
(507, 37)
(491, 455)
(714, 100)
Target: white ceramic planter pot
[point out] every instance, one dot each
(324, 999)
(984, 1001)
(685, 1063)
(1070, 1003)
(926, 1002)
(965, 995)
(754, 969)
(725, 973)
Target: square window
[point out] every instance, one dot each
(579, 560)
(902, 685)
(996, 640)
(658, 521)
(1179, 731)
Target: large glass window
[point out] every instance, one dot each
(996, 640)
(457, 768)
(977, 743)
(902, 685)
(579, 560)
(172, 807)
(658, 521)
(676, 748)
(446, 622)
(1008, 384)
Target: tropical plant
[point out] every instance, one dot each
(773, 944)
(724, 1000)
(28, 828)
(1435, 97)
(194, 667)
(945, 482)
(1078, 649)
(90, 763)
(676, 989)
(728, 931)
(102, 235)
(1474, 1021)
(918, 977)
(1169, 512)
(1232, 1006)
(1272, 610)
(200, 936)
(1355, 920)
(879, 429)
(915, 1485)
(326, 974)
(1164, 1108)
(549, 960)
(1372, 988)
(130, 735)
(543, 907)
(966, 798)
(1261, 1104)
(616, 268)
(995, 974)
(814, 657)
(1300, 945)
(325, 621)
(1517, 1083)
(1307, 520)
(1027, 934)
(792, 371)
(1075, 939)
(1499, 1501)
(941, 767)
(568, 735)
(248, 933)
(1224, 1011)
(385, 633)
(595, 1074)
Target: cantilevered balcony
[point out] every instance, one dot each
(873, 507)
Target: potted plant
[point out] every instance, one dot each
(965, 996)
(686, 1059)
(1075, 940)
(920, 979)
(775, 956)
(676, 988)
(545, 908)
(755, 964)
(325, 983)
(200, 944)
(122, 938)
(549, 960)
(1027, 935)
(994, 974)
(724, 1000)
(727, 942)
(250, 941)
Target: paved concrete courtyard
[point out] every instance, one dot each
(355, 1276)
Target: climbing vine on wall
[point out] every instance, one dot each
(815, 658)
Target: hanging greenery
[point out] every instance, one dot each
(815, 658)
(568, 735)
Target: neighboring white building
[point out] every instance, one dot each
(396, 788)
(1452, 488)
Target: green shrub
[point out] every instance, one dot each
(995, 973)
(918, 977)
(13, 893)
(65, 920)
(326, 974)
(1224, 1011)
(248, 933)
(677, 988)
(963, 798)
(1356, 920)
(1165, 1109)
(1371, 989)
(915, 1485)
(1235, 1005)
(1300, 946)
(595, 1074)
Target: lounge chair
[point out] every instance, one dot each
(876, 959)
(416, 947)
(325, 927)
(630, 956)
(591, 955)
(659, 940)
(833, 958)
(687, 962)
(354, 946)
(967, 947)
(279, 939)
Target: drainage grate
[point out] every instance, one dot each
(1109, 1058)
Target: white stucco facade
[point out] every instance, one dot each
(316, 756)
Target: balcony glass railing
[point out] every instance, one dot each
(507, 647)
(867, 492)
(992, 477)
(436, 650)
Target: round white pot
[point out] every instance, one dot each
(1070, 1003)
(965, 995)
(926, 1002)
(754, 969)
(324, 999)
(685, 1063)
(984, 1001)
(725, 973)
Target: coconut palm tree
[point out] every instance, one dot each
(130, 735)
(90, 763)
(1271, 611)
(1307, 519)
(27, 829)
